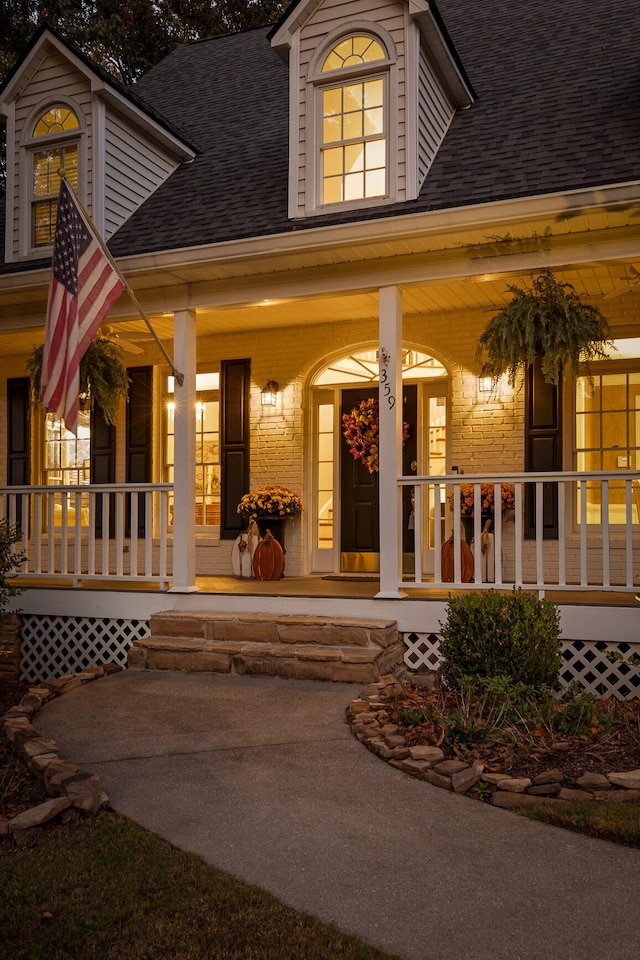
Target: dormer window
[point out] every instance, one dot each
(56, 134)
(352, 97)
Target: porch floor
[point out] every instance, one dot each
(340, 587)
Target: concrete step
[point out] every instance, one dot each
(300, 647)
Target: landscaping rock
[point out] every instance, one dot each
(449, 767)
(36, 816)
(432, 754)
(548, 776)
(567, 793)
(83, 791)
(544, 790)
(514, 784)
(438, 780)
(465, 779)
(630, 779)
(593, 781)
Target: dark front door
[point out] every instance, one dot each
(360, 529)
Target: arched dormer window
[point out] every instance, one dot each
(353, 103)
(56, 137)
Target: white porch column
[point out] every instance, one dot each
(184, 454)
(390, 449)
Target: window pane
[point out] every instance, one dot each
(56, 120)
(375, 154)
(587, 396)
(588, 430)
(332, 129)
(353, 95)
(375, 185)
(614, 430)
(374, 93)
(333, 162)
(352, 126)
(332, 101)
(373, 121)
(332, 190)
(614, 392)
(325, 417)
(354, 157)
(354, 186)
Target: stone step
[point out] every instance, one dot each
(267, 628)
(298, 647)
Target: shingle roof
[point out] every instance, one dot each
(558, 108)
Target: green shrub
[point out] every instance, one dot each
(491, 634)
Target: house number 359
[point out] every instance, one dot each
(385, 386)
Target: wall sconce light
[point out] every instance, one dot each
(486, 381)
(269, 394)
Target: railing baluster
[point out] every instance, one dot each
(584, 579)
(628, 489)
(606, 574)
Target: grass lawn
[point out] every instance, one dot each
(617, 822)
(105, 889)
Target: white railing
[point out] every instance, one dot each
(85, 532)
(595, 543)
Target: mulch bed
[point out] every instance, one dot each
(611, 747)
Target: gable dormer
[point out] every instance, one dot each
(371, 98)
(64, 112)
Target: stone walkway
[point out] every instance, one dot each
(263, 778)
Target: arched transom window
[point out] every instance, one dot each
(58, 130)
(354, 140)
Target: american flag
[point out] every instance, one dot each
(84, 285)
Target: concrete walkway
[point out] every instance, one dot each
(263, 779)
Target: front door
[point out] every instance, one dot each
(359, 525)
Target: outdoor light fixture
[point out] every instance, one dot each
(485, 380)
(269, 394)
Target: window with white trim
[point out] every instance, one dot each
(353, 95)
(56, 134)
(207, 414)
(608, 438)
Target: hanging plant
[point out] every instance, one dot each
(549, 320)
(360, 429)
(103, 377)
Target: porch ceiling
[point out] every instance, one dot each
(615, 287)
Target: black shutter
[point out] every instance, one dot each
(543, 447)
(19, 435)
(139, 436)
(234, 443)
(103, 465)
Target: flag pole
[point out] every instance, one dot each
(179, 376)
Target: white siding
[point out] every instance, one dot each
(134, 168)
(54, 78)
(327, 17)
(435, 112)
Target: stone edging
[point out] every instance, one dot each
(429, 763)
(71, 791)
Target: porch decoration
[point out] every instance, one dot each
(487, 500)
(447, 561)
(103, 377)
(268, 559)
(360, 429)
(549, 320)
(272, 500)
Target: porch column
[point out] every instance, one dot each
(390, 440)
(184, 454)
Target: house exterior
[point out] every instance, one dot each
(333, 207)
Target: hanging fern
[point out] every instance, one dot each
(548, 320)
(103, 377)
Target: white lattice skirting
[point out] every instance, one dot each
(53, 646)
(582, 661)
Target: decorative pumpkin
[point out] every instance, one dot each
(447, 561)
(268, 560)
